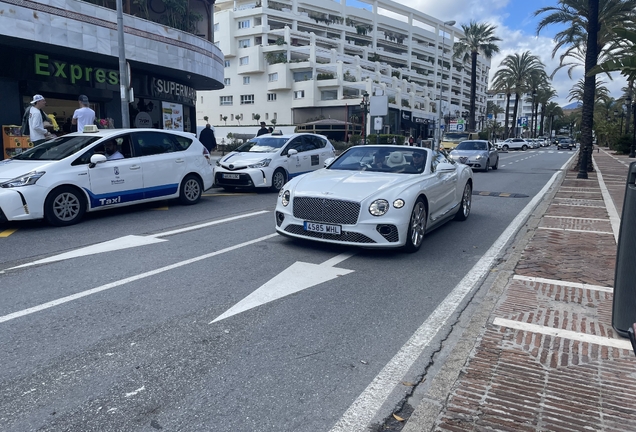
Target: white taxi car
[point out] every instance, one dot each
(61, 179)
(270, 160)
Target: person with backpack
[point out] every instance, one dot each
(33, 121)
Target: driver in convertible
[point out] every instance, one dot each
(379, 160)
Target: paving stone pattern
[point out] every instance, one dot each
(519, 380)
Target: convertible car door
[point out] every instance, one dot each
(446, 186)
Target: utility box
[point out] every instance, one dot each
(624, 304)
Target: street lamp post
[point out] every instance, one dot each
(364, 106)
(441, 84)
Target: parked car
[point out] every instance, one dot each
(376, 196)
(61, 179)
(478, 154)
(514, 144)
(566, 143)
(270, 160)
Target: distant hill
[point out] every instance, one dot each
(573, 105)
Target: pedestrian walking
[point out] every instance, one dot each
(84, 115)
(207, 138)
(411, 140)
(263, 129)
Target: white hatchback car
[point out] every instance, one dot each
(270, 160)
(61, 179)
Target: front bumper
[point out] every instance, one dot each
(471, 161)
(247, 178)
(16, 206)
(368, 232)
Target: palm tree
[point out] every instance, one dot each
(519, 70)
(552, 110)
(601, 93)
(544, 95)
(588, 35)
(504, 85)
(478, 39)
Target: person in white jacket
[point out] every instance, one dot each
(37, 133)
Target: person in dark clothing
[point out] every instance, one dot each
(263, 129)
(207, 138)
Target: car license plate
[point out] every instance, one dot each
(232, 176)
(322, 228)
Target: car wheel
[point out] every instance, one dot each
(496, 165)
(524, 147)
(505, 147)
(464, 210)
(278, 180)
(64, 206)
(417, 227)
(191, 190)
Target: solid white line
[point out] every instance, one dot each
(615, 219)
(577, 218)
(575, 230)
(120, 282)
(564, 283)
(364, 408)
(337, 259)
(207, 224)
(567, 334)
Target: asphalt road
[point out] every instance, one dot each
(183, 330)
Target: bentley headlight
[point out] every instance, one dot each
(25, 180)
(261, 164)
(379, 207)
(398, 203)
(284, 197)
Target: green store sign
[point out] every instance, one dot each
(75, 74)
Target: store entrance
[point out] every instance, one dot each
(63, 110)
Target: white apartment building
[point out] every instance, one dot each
(524, 111)
(295, 61)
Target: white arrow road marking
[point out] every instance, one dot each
(130, 241)
(127, 280)
(297, 277)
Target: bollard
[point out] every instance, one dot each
(624, 303)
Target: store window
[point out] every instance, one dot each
(247, 99)
(225, 100)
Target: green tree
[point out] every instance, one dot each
(517, 71)
(257, 117)
(478, 39)
(504, 84)
(225, 120)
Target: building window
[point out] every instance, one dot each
(220, 117)
(244, 24)
(247, 99)
(227, 63)
(299, 94)
(258, 40)
(273, 77)
(246, 80)
(216, 27)
(244, 43)
(271, 97)
(276, 116)
(226, 100)
(244, 61)
(329, 95)
(227, 81)
(201, 99)
(266, 116)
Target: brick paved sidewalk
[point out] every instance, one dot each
(548, 358)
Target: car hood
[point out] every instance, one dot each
(467, 153)
(12, 168)
(349, 185)
(245, 158)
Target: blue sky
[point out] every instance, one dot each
(516, 25)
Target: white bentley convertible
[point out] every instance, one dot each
(376, 196)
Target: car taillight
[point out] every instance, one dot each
(206, 154)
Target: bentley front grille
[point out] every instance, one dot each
(326, 210)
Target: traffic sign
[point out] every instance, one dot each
(460, 127)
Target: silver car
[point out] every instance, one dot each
(479, 154)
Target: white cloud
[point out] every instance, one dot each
(513, 40)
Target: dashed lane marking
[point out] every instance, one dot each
(564, 283)
(567, 334)
(7, 233)
(500, 194)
